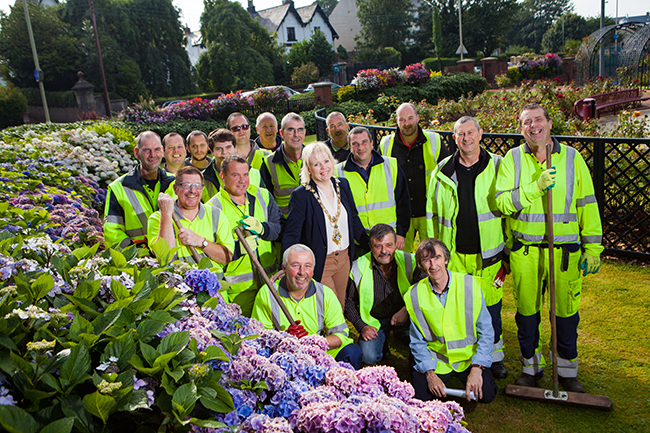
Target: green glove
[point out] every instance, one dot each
(547, 179)
(253, 225)
(252, 242)
(589, 264)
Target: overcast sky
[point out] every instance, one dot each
(191, 9)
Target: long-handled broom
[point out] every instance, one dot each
(556, 396)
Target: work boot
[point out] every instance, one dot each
(571, 384)
(499, 370)
(527, 380)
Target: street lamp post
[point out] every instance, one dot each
(38, 74)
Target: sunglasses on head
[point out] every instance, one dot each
(239, 128)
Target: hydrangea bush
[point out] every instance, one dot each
(112, 340)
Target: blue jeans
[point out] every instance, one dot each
(350, 354)
(373, 350)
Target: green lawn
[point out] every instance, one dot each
(613, 345)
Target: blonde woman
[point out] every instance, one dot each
(322, 215)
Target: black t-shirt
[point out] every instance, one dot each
(467, 233)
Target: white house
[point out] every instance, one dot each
(294, 24)
(194, 46)
(344, 18)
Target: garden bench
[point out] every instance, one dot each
(611, 99)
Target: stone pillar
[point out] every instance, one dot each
(466, 66)
(83, 92)
(323, 94)
(568, 68)
(490, 70)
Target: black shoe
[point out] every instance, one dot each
(527, 380)
(499, 371)
(571, 384)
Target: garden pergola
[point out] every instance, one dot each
(626, 54)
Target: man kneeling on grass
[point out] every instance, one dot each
(451, 329)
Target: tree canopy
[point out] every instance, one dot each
(384, 23)
(533, 20)
(316, 50)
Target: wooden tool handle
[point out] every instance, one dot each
(195, 255)
(267, 280)
(551, 272)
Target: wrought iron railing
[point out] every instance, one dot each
(620, 169)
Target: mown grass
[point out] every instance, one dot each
(613, 345)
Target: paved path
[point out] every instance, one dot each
(609, 121)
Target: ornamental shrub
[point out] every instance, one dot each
(12, 106)
(305, 73)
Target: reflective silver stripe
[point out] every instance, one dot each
(514, 194)
(435, 195)
(277, 191)
(215, 202)
(470, 338)
(433, 141)
(532, 364)
(424, 325)
(408, 267)
(566, 367)
(339, 168)
(381, 205)
(215, 221)
(240, 278)
(564, 239)
(582, 202)
(260, 199)
(115, 219)
(444, 222)
(430, 215)
(570, 178)
(596, 239)
(340, 329)
(356, 273)
(125, 242)
(499, 345)
(137, 208)
(541, 218)
(132, 233)
(276, 317)
(320, 306)
(439, 357)
(389, 183)
(488, 254)
(487, 216)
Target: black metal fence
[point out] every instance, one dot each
(620, 169)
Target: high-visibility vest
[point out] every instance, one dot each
(375, 200)
(362, 274)
(320, 314)
(256, 159)
(576, 217)
(442, 209)
(137, 205)
(431, 150)
(450, 331)
(283, 182)
(241, 272)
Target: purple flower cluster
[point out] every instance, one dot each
(203, 280)
(416, 73)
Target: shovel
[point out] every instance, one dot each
(265, 277)
(556, 396)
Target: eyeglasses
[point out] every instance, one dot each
(295, 130)
(240, 128)
(188, 186)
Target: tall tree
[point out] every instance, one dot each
(240, 51)
(384, 23)
(576, 27)
(316, 50)
(436, 30)
(57, 47)
(533, 19)
(327, 5)
(485, 24)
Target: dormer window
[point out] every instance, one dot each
(291, 34)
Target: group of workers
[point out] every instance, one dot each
(353, 211)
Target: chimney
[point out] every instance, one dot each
(289, 2)
(251, 8)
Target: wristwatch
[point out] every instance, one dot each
(205, 243)
(477, 365)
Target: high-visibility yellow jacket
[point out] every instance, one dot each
(319, 312)
(361, 273)
(240, 271)
(129, 203)
(576, 217)
(281, 176)
(450, 331)
(442, 207)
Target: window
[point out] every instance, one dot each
(291, 34)
(316, 28)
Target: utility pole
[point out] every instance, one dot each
(38, 74)
(107, 101)
(461, 48)
(601, 71)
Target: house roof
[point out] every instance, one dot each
(272, 18)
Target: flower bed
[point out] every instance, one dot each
(114, 341)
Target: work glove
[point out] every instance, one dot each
(500, 278)
(589, 264)
(253, 225)
(297, 330)
(547, 179)
(252, 242)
